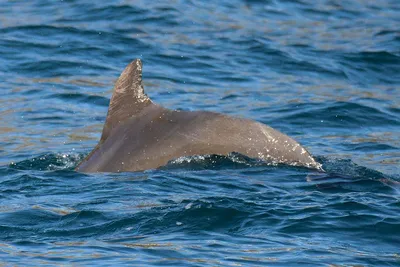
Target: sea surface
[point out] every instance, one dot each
(325, 72)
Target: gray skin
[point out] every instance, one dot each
(140, 135)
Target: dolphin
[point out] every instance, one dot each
(139, 134)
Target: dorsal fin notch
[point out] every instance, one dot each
(128, 98)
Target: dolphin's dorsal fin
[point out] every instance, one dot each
(128, 98)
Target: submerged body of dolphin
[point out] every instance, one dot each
(140, 135)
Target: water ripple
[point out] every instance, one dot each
(326, 73)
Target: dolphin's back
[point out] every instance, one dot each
(140, 135)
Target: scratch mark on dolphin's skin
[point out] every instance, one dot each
(295, 146)
(266, 133)
(123, 85)
(190, 136)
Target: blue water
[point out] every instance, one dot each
(325, 72)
